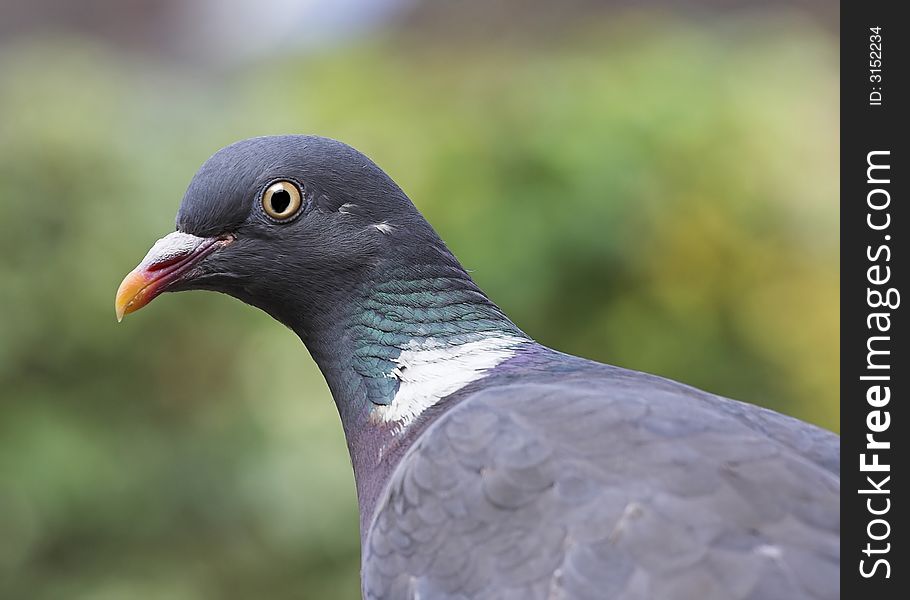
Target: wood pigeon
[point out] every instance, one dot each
(487, 465)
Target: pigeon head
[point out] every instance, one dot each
(315, 234)
(289, 224)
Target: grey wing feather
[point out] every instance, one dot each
(561, 491)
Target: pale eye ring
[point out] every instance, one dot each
(281, 200)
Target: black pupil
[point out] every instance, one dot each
(281, 200)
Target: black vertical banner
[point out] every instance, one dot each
(875, 441)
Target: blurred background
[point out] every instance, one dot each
(652, 184)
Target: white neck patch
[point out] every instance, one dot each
(430, 371)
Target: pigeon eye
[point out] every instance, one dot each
(281, 200)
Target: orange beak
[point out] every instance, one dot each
(134, 292)
(169, 260)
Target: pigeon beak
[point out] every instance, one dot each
(168, 261)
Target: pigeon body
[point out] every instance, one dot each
(487, 465)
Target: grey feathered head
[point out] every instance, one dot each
(284, 223)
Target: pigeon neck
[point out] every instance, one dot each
(398, 344)
(397, 320)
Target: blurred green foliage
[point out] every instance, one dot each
(650, 193)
